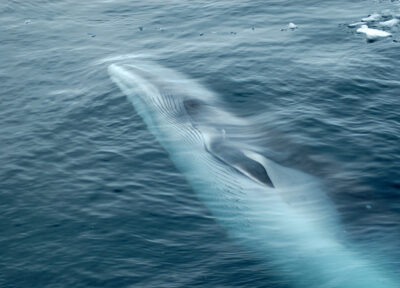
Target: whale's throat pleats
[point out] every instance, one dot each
(170, 104)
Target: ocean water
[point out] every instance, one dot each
(89, 198)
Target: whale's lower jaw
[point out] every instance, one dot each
(256, 215)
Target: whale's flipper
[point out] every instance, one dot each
(237, 159)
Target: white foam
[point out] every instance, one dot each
(373, 34)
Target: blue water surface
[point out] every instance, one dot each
(89, 198)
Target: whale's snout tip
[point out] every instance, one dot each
(113, 69)
(122, 71)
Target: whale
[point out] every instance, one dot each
(279, 214)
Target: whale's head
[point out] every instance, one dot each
(160, 94)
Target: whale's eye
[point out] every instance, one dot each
(193, 106)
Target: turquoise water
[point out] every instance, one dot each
(89, 198)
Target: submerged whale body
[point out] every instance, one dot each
(279, 213)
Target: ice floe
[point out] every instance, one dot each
(373, 34)
(378, 25)
(353, 25)
(390, 23)
(290, 26)
(372, 17)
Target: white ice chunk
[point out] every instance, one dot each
(390, 23)
(292, 26)
(372, 17)
(373, 34)
(353, 25)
